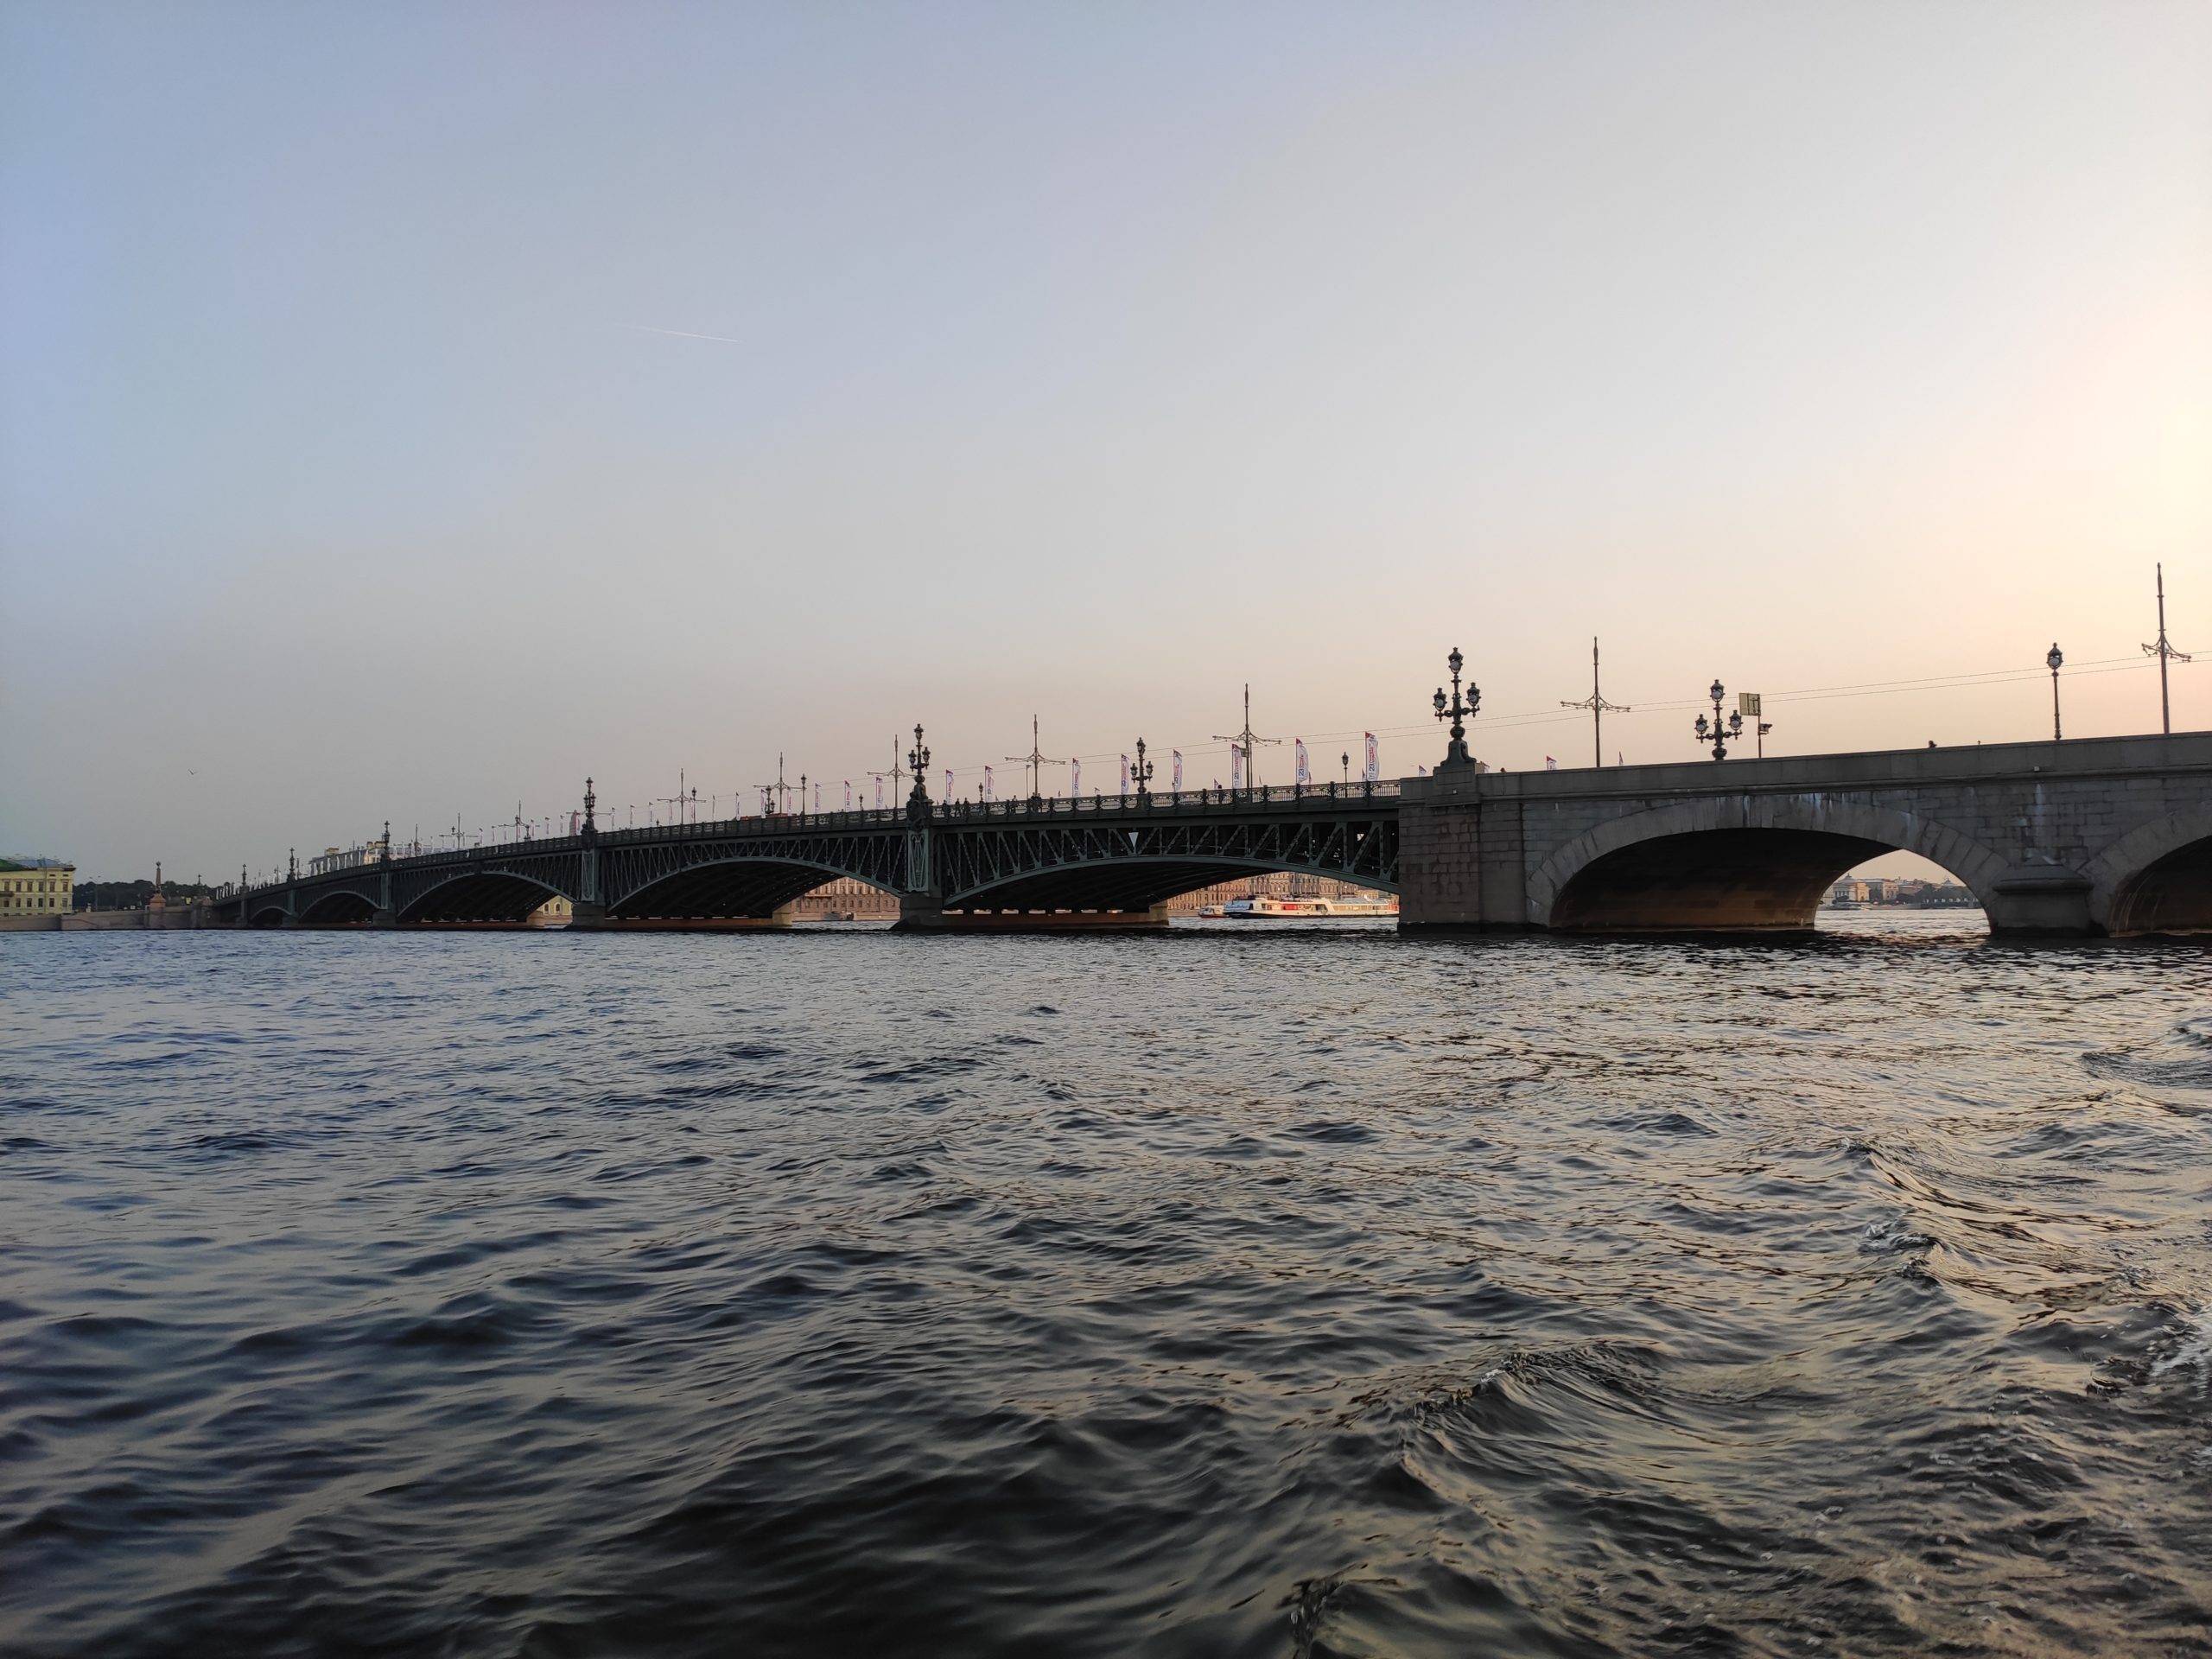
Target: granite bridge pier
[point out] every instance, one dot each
(2091, 836)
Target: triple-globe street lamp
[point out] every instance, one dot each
(1456, 711)
(1140, 774)
(917, 803)
(1717, 730)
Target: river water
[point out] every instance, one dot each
(1281, 1292)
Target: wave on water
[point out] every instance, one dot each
(1104, 1296)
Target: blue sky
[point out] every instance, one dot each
(1091, 360)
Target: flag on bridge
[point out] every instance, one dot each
(1372, 769)
(948, 783)
(1305, 773)
(990, 786)
(1075, 778)
(1551, 763)
(1235, 767)
(879, 792)
(1423, 770)
(848, 794)
(1177, 786)
(1125, 774)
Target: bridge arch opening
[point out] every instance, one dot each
(2172, 893)
(1757, 867)
(1127, 885)
(731, 890)
(479, 896)
(339, 910)
(267, 916)
(1897, 886)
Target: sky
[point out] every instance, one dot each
(409, 410)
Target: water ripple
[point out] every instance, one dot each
(1321, 1295)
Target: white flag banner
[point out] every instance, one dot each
(948, 783)
(1125, 774)
(817, 797)
(848, 794)
(1075, 778)
(1372, 771)
(1237, 765)
(1551, 763)
(879, 792)
(990, 786)
(1177, 785)
(1305, 774)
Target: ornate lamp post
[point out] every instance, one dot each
(1344, 761)
(2056, 659)
(1140, 774)
(918, 757)
(1717, 730)
(1458, 712)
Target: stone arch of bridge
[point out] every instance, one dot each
(269, 912)
(1137, 882)
(478, 895)
(339, 907)
(730, 889)
(1730, 863)
(2157, 879)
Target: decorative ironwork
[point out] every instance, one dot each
(918, 757)
(1716, 730)
(1458, 712)
(1140, 774)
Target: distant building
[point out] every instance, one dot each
(36, 886)
(332, 859)
(845, 900)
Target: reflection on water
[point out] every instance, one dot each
(1233, 1292)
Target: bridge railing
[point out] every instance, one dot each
(1166, 803)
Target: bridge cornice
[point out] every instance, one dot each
(2076, 759)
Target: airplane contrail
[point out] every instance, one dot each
(681, 333)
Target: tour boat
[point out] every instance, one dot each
(1267, 907)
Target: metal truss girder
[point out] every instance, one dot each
(976, 859)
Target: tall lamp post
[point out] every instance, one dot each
(917, 803)
(2166, 653)
(1459, 712)
(1717, 730)
(1344, 761)
(1140, 774)
(2056, 659)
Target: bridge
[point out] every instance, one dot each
(2090, 836)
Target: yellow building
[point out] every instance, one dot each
(39, 889)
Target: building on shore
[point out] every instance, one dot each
(846, 901)
(35, 892)
(1854, 891)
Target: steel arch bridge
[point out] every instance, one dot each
(1108, 859)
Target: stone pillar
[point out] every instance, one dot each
(586, 916)
(2046, 899)
(920, 911)
(1440, 858)
(385, 916)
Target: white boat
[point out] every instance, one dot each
(1267, 907)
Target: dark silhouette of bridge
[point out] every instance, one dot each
(2090, 836)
